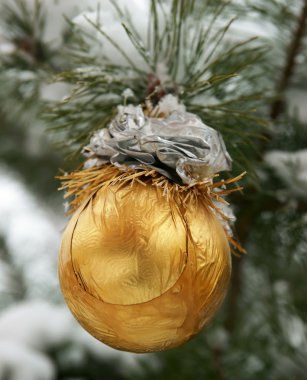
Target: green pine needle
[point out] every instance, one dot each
(201, 65)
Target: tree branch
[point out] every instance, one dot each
(243, 224)
(247, 205)
(289, 68)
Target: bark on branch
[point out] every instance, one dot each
(287, 73)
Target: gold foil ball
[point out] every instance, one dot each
(141, 272)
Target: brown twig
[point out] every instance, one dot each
(289, 67)
(248, 211)
(244, 222)
(217, 356)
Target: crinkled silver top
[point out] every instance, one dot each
(180, 146)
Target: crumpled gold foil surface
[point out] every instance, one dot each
(141, 272)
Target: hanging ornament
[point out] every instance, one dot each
(145, 259)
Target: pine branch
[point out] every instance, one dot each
(24, 27)
(191, 47)
(30, 63)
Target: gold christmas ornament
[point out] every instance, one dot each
(145, 259)
(144, 263)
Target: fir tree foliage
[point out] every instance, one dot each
(27, 64)
(186, 53)
(18, 70)
(24, 28)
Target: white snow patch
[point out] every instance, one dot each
(6, 48)
(55, 20)
(54, 91)
(31, 237)
(294, 329)
(291, 167)
(170, 103)
(247, 28)
(297, 100)
(128, 93)
(227, 211)
(110, 22)
(39, 326)
(18, 362)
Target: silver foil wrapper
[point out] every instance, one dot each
(180, 146)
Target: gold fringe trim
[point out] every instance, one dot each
(81, 184)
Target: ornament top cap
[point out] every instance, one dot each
(178, 145)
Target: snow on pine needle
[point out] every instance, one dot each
(159, 48)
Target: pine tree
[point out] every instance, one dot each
(251, 89)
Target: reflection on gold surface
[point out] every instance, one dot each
(140, 272)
